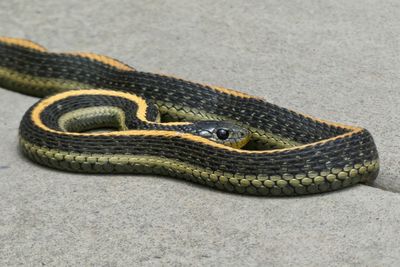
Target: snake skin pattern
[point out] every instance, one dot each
(289, 153)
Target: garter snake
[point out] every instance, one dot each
(288, 153)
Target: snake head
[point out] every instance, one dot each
(223, 132)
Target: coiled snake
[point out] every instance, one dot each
(207, 134)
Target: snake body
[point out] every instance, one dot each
(289, 153)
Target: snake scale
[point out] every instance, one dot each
(157, 124)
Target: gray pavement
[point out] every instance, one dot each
(338, 60)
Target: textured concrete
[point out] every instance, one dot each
(336, 60)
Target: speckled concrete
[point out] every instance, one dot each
(336, 60)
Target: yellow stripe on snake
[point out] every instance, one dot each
(99, 115)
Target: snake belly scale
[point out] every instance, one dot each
(288, 153)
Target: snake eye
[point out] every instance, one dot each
(222, 134)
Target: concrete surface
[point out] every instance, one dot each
(338, 60)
